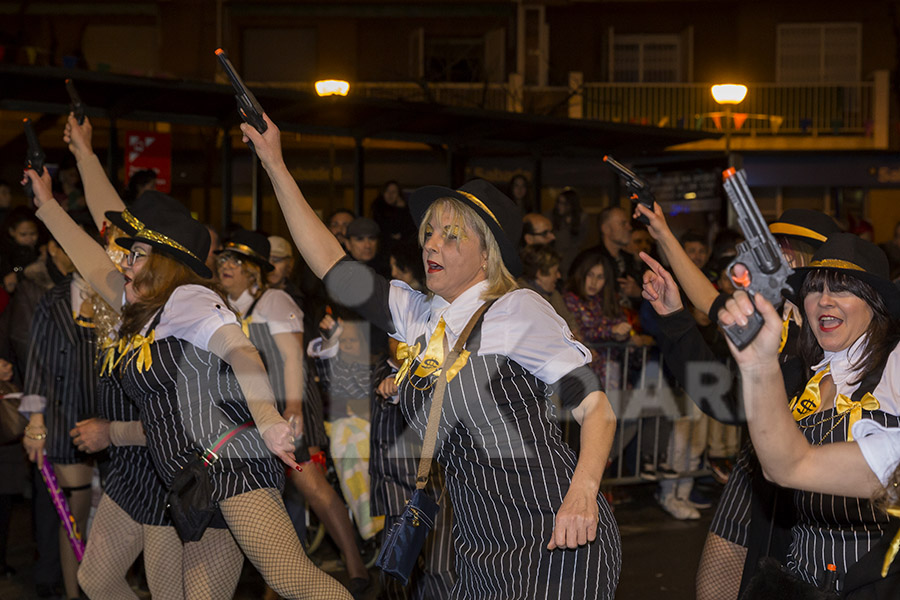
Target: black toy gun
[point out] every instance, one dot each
(249, 108)
(640, 189)
(77, 106)
(767, 271)
(34, 157)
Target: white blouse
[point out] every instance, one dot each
(275, 308)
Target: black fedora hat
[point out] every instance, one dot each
(255, 246)
(811, 226)
(166, 224)
(850, 254)
(501, 214)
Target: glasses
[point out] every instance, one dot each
(133, 256)
(276, 260)
(229, 257)
(544, 233)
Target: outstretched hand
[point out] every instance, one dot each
(660, 289)
(40, 185)
(279, 440)
(78, 137)
(764, 347)
(267, 145)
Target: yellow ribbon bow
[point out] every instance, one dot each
(143, 355)
(245, 325)
(407, 354)
(808, 402)
(843, 404)
(111, 351)
(894, 547)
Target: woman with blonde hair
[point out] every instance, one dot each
(498, 438)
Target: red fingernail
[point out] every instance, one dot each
(299, 468)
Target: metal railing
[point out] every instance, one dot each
(811, 109)
(772, 108)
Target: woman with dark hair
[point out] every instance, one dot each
(18, 245)
(498, 440)
(520, 193)
(849, 338)
(196, 379)
(591, 296)
(390, 212)
(274, 324)
(569, 226)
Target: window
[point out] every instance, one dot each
(646, 58)
(819, 53)
(454, 59)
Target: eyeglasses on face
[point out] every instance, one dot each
(229, 257)
(133, 256)
(544, 233)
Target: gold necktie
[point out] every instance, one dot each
(785, 325)
(895, 545)
(434, 354)
(808, 402)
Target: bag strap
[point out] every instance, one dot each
(437, 401)
(209, 455)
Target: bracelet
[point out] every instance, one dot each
(35, 436)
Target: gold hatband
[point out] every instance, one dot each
(142, 231)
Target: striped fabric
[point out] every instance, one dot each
(261, 337)
(506, 464)
(731, 520)
(187, 399)
(131, 482)
(61, 369)
(833, 529)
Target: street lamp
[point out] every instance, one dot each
(332, 87)
(728, 94)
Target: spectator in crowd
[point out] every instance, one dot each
(570, 226)
(18, 245)
(337, 224)
(520, 193)
(138, 183)
(389, 210)
(537, 229)
(540, 272)
(641, 241)
(5, 199)
(696, 247)
(215, 245)
(406, 265)
(615, 236)
(281, 257)
(892, 250)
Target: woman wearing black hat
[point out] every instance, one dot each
(274, 324)
(186, 364)
(501, 449)
(849, 339)
(748, 520)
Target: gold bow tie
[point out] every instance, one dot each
(141, 343)
(407, 354)
(808, 402)
(843, 404)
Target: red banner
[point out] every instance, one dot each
(149, 150)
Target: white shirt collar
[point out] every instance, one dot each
(844, 364)
(457, 314)
(243, 302)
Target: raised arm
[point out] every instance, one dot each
(99, 192)
(290, 346)
(88, 256)
(691, 279)
(786, 457)
(319, 248)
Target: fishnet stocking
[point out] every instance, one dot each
(162, 562)
(114, 544)
(212, 566)
(261, 526)
(76, 483)
(720, 570)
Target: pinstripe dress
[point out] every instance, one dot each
(61, 369)
(131, 482)
(259, 329)
(187, 398)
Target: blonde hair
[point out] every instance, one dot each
(254, 272)
(499, 279)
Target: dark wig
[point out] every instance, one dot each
(883, 331)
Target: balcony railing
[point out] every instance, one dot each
(770, 108)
